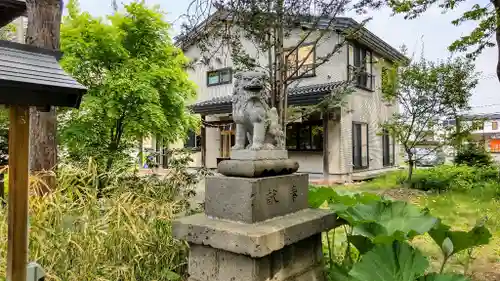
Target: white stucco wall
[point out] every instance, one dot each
(333, 70)
(362, 106)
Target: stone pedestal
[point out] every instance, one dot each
(256, 229)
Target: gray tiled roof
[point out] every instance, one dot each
(340, 24)
(304, 95)
(33, 76)
(11, 9)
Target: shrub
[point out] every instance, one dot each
(124, 235)
(448, 177)
(473, 155)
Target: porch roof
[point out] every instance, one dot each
(32, 76)
(304, 95)
(11, 9)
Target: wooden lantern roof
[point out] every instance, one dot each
(32, 76)
(11, 9)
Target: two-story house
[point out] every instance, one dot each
(356, 148)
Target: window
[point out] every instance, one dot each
(360, 145)
(388, 149)
(494, 125)
(304, 136)
(219, 77)
(360, 63)
(193, 140)
(300, 61)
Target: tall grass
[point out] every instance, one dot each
(124, 235)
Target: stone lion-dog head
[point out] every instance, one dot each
(249, 85)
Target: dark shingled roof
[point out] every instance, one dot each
(11, 9)
(304, 95)
(33, 76)
(339, 24)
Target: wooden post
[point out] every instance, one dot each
(17, 256)
(2, 189)
(203, 143)
(326, 150)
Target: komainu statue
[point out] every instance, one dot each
(254, 118)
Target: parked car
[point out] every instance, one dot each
(428, 157)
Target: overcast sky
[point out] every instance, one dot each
(433, 28)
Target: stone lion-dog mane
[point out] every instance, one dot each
(241, 97)
(254, 119)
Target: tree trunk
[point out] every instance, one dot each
(458, 132)
(496, 3)
(272, 71)
(44, 20)
(411, 164)
(326, 149)
(280, 65)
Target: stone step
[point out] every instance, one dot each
(258, 239)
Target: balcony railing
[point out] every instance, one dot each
(363, 80)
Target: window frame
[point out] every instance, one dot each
(494, 125)
(388, 160)
(369, 76)
(354, 162)
(287, 54)
(298, 126)
(195, 136)
(219, 71)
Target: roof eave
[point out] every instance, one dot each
(30, 88)
(341, 24)
(224, 107)
(40, 95)
(11, 9)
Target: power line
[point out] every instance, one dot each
(485, 105)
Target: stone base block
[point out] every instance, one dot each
(252, 200)
(247, 154)
(255, 240)
(301, 261)
(257, 168)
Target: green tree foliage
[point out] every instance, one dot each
(485, 14)
(428, 93)
(136, 80)
(473, 154)
(8, 32)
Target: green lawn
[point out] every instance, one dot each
(459, 209)
(462, 210)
